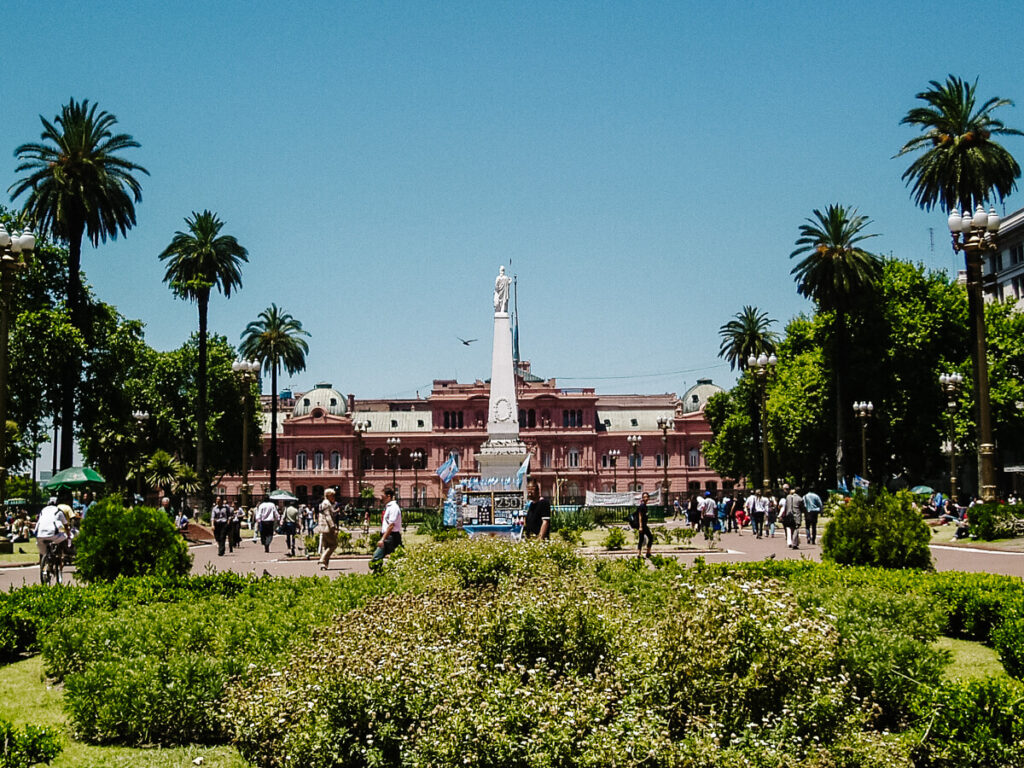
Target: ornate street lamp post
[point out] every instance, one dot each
(663, 425)
(613, 457)
(247, 370)
(951, 385)
(417, 457)
(15, 251)
(141, 417)
(762, 367)
(634, 440)
(393, 443)
(863, 411)
(975, 236)
(360, 428)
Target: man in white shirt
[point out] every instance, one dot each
(390, 528)
(52, 526)
(266, 519)
(757, 508)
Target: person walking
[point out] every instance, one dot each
(390, 529)
(792, 518)
(267, 517)
(327, 527)
(290, 527)
(772, 515)
(235, 534)
(757, 507)
(642, 528)
(812, 509)
(221, 516)
(676, 508)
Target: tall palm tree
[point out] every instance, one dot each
(959, 165)
(834, 272)
(745, 335)
(275, 339)
(78, 185)
(197, 262)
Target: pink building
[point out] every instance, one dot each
(326, 439)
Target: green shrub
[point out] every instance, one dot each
(449, 534)
(978, 724)
(616, 538)
(1008, 636)
(572, 536)
(577, 518)
(882, 530)
(994, 520)
(117, 541)
(432, 523)
(158, 674)
(24, 747)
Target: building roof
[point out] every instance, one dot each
(697, 396)
(633, 420)
(396, 421)
(322, 396)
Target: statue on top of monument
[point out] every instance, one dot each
(501, 291)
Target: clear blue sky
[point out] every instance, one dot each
(645, 166)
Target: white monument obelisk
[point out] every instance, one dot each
(503, 452)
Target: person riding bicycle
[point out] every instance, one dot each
(52, 526)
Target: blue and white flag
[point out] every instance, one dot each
(859, 483)
(449, 469)
(842, 485)
(523, 469)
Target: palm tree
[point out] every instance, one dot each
(745, 335)
(275, 339)
(161, 472)
(78, 185)
(959, 165)
(198, 261)
(834, 272)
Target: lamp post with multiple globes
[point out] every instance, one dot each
(976, 235)
(634, 440)
(613, 457)
(417, 457)
(141, 417)
(663, 425)
(762, 367)
(951, 384)
(393, 443)
(863, 411)
(15, 250)
(247, 371)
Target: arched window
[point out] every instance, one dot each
(302, 492)
(572, 491)
(300, 460)
(335, 460)
(318, 461)
(318, 493)
(366, 459)
(380, 459)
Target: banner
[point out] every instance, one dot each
(622, 499)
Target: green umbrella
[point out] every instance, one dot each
(75, 477)
(922, 489)
(281, 495)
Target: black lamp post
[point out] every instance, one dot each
(141, 417)
(951, 385)
(663, 425)
(393, 443)
(863, 411)
(634, 440)
(975, 235)
(417, 457)
(15, 251)
(613, 457)
(762, 367)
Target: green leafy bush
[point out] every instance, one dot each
(1008, 636)
(994, 521)
(978, 724)
(882, 530)
(158, 673)
(117, 541)
(616, 538)
(576, 518)
(24, 747)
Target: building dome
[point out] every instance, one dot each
(322, 397)
(696, 397)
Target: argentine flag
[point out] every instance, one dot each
(449, 469)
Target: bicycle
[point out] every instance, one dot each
(51, 562)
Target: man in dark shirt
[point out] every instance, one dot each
(538, 514)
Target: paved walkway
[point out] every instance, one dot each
(250, 558)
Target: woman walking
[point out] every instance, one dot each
(642, 528)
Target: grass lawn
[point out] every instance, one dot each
(971, 661)
(24, 553)
(26, 698)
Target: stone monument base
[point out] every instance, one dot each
(501, 458)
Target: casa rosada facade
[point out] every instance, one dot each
(326, 439)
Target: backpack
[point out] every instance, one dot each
(634, 521)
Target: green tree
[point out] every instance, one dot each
(959, 165)
(746, 335)
(835, 272)
(1005, 322)
(197, 262)
(275, 339)
(733, 450)
(78, 185)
